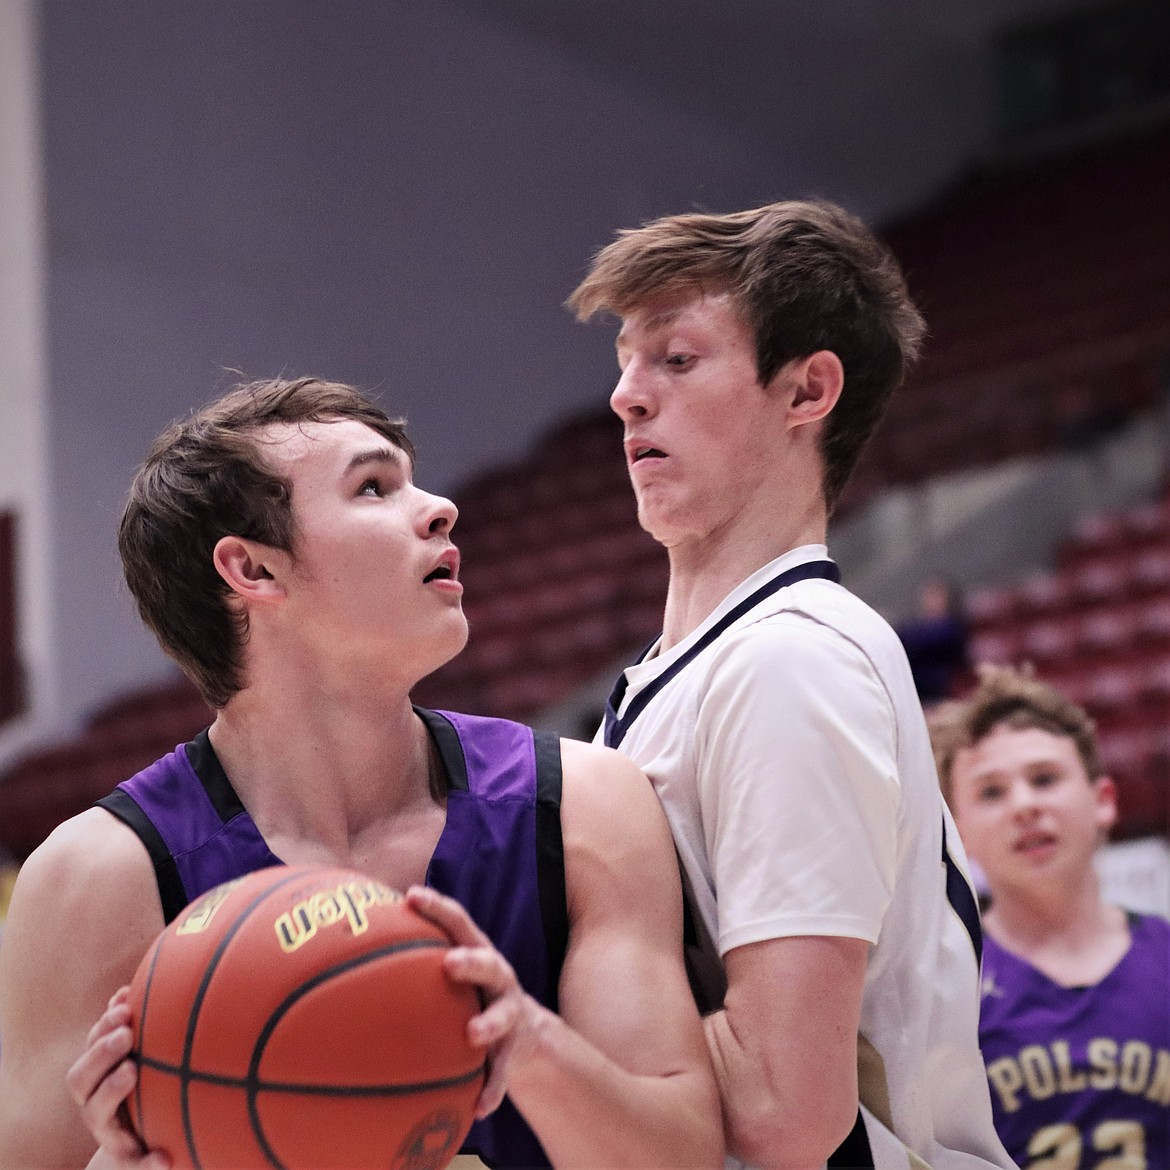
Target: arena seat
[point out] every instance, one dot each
(52, 783)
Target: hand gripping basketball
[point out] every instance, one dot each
(303, 1017)
(511, 1022)
(100, 1080)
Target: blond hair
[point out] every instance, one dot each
(1008, 696)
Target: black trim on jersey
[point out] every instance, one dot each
(550, 849)
(962, 900)
(171, 892)
(450, 748)
(550, 856)
(854, 1152)
(201, 755)
(615, 728)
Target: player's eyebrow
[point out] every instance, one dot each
(655, 321)
(374, 455)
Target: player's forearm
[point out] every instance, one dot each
(778, 1114)
(589, 1112)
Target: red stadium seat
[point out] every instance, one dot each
(998, 646)
(1044, 594)
(1049, 642)
(991, 605)
(1107, 632)
(1102, 580)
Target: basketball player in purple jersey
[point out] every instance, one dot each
(1075, 1022)
(277, 545)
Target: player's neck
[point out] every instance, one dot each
(703, 573)
(327, 773)
(1070, 935)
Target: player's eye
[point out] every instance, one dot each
(1044, 779)
(679, 360)
(990, 792)
(371, 487)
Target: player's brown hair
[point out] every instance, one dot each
(804, 275)
(205, 478)
(1012, 697)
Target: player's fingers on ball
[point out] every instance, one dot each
(93, 1066)
(494, 1024)
(115, 1016)
(101, 1108)
(491, 1096)
(107, 1159)
(446, 913)
(122, 995)
(483, 966)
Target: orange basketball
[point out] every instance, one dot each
(300, 1017)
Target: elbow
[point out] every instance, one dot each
(784, 1137)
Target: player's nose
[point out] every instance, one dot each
(631, 397)
(439, 513)
(1023, 799)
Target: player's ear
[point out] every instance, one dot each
(1106, 790)
(815, 383)
(251, 569)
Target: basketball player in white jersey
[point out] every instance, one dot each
(835, 933)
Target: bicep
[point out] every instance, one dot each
(623, 985)
(83, 912)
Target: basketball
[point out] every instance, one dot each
(300, 1017)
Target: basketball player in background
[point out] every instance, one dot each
(276, 544)
(776, 715)
(1075, 1025)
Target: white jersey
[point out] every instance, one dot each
(792, 759)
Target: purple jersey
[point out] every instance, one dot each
(1080, 1076)
(499, 854)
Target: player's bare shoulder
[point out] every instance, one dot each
(602, 783)
(613, 826)
(93, 873)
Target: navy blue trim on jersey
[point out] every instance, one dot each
(615, 728)
(854, 1152)
(962, 900)
(171, 892)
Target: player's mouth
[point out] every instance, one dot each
(638, 450)
(447, 568)
(1035, 845)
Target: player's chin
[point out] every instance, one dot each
(454, 637)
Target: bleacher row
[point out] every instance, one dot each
(1050, 324)
(1097, 626)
